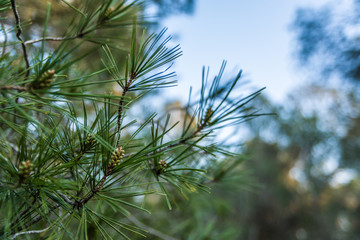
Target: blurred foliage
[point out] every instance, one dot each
(300, 180)
(170, 7)
(328, 39)
(302, 169)
(311, 186)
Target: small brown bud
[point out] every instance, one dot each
(162, 165)
(116, 157)
(90, 141)
(44, 80)
(208, 115)
(25, 169)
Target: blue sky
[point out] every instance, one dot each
(251, 35)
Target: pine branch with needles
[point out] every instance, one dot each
(74, 158)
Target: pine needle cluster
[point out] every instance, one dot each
(73, 165)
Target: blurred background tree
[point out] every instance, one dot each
(165, 8)
(328, 38)
(300, 179)
(302, 171)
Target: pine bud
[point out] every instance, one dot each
(208, 115)
(116, 157)
(90, 141)
(162, 165)
(44, 81)
(25, 169)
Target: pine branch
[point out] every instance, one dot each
(65, 198)
(29, 232)
(96, 190)
(50, 39)
(18, 35)
(16, 88)
(87, 146)
(69, 171)
(59, 39)
(109, 170)
(79, 35)
(121, 103)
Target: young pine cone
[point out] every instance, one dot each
(44, 81)
(116, 157)
(25, 169)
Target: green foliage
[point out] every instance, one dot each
(74, 163)
(327, 39)
(301, 177)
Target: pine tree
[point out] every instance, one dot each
(75, 162)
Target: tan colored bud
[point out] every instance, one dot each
(162, 165)
(116, 157)
(90, 140)
(208, 115)
(44, 81)
(25, 169)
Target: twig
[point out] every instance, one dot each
(65, 198)
(57, 39)
(121, 103)
(18, 35)
(52, 39)
(29, 232)
(17, 88)
(5, 39)
(96, 190)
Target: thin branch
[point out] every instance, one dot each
(29, 232)
(16, 88)
(121, 103)
(96, 190)
(51, 39)
(65, 198)
(57, 39)
(18, 35)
